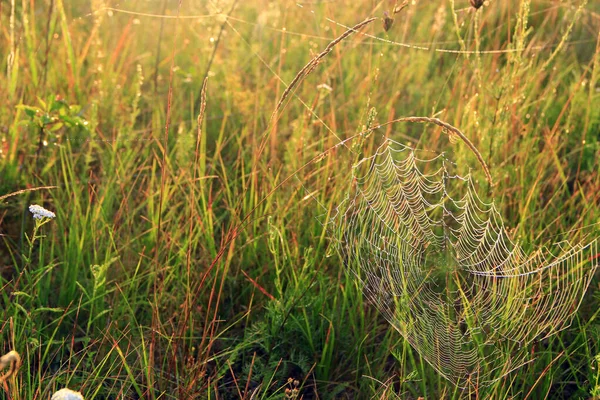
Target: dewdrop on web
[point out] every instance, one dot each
(40, 212)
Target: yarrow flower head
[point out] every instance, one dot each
(67, 394)
(40, 212)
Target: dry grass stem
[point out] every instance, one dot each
(312, 64)
(447, 127)
(25, 191)
(12, 360)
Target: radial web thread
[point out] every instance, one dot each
(438, 263)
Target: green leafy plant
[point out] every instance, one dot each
(52, 118)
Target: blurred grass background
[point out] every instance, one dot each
(152, 283)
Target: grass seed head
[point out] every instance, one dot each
(12, 361)
(477, 4)
(387, 21)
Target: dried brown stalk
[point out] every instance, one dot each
(449, 128)
(12, 360)
(312, 64)
(26, 191)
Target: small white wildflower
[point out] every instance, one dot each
(40, 212)
(67, 394)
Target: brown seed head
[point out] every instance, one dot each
(12, 360)
(387, 21)
(476, 3)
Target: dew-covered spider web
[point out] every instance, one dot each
(438, 262)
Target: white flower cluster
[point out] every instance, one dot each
(40, 212)
(67, 394)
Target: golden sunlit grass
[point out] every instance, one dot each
(188, 257)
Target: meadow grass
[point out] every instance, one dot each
(190, 260)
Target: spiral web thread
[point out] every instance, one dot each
(438, 263)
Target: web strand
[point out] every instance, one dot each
(439, 264)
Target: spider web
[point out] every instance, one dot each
(438, 263)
